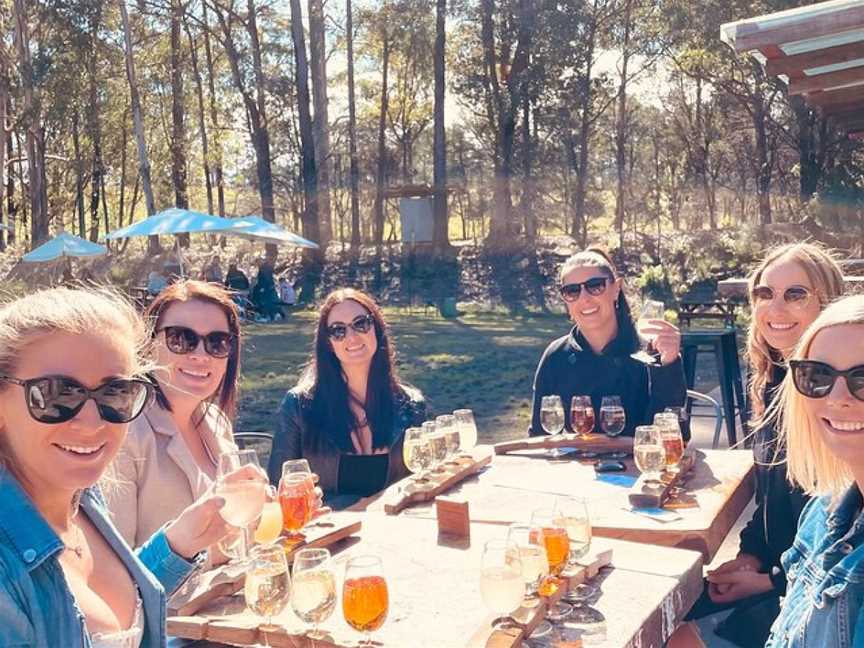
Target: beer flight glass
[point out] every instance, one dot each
(296, 497)
(365, 598)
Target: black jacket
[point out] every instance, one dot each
(569, 368)
(772, 528)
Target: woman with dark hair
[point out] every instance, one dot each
(171, 453)
(593, 359)
(348, 412)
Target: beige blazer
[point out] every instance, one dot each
(154, 476)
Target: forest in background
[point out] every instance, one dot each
(618, 119)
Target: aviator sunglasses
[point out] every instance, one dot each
(57, 399)
(360, 324)
(816, 379)
(595, 286)
(182, 340)
(795, 296)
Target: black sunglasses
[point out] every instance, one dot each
(797, 296)
(57, 399)
(361, 324)
(182, 340)
(595, 286)
(816, 379)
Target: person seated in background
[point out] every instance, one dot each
(213, 270)
(237, 282)
(348, 413)
(287, 296)
(156, 282)
(264, 298)
(71, 380)
(594, 358)
(821, 419)
(788, 290)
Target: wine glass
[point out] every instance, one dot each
(552, 418)
(673, 441)
(648, 452)
(270, 526)
(365, 599)
(296, 493)
(244, 491)
(557, 545)
(651, 310)
(268, 585)
(573, 516)
(582, 416)
(526, 543)
(501, 583)
(313, 595)
(448, 429)
(416, 454)
(467, 430)
(437, 443)
(613, 418)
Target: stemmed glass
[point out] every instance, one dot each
(501, 582)
(648, 452)
(582, 416)
(467, 430)
(448, 429)
(268, 585)
(313, 595)
(673, 441)
(613, 418)
(552, 418)
(416, 454)
(244, 492)
(437, 443)
(557, 544)
(651, 310)
(526, 542)
(573, 516)
(365, 599)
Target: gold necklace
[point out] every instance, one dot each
(77, 549)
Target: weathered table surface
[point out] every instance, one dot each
(515, 485)
(435, 590)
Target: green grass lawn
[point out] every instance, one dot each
(482, 361)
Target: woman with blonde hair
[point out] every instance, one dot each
(72, 377)
(788, 290)
(821, 412)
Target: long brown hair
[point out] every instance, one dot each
(323, 381)
(827, 279)
(191, 290)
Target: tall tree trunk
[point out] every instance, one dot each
(354, 172)
(94, 127)
(4, 137)
(11, 208)
(138, 121)
(527, 204)
(441, 219)
(79, 174)
(202, 119)
(378, 210)
(318, 70)
(124, 142)
(214, 116)
(178, 116)
(621, 129)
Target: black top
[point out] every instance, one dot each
(569, 368)
(236, 280)
(772, 528)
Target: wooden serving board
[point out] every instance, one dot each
(594, 443)
(205, 586)
(646, 494)
(408, 492)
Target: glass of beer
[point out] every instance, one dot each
(268, 586)
(416, 454)
(313, 591)
(296, 493)
(613, 418)
(467, 430)
(673, 441)
(557, 544)
(365, 599)
(501, 583)
(450, 431)
(270, 525)
(648, 452)
(552, 418)
(582, 416)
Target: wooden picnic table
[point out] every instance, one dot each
(719, 488)
(737, 287)
(435, 591)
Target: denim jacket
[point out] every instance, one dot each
(825, 574)
(37, 608)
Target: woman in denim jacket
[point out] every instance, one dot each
(822, 424)
(70, 383)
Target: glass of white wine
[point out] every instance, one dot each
(573, 516)
(467, 430)
(651, 310)
(525, 541)
(416, 454)
(313, 595)
(502, 585)
(447, 427)
(243, 490)
(268, 586)
(437, 443)
(648, 452)
(613, 418)
(552, 418)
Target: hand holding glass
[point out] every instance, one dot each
(651, 310)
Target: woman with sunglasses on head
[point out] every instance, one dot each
(349, 411)
(71, 379)
(594, 358)
(788, 290)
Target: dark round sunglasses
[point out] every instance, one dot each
(360, 324)
(595, 286)
(57, 399)
(795, 296)
(182, 340)
(816, 379)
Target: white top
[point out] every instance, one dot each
(129, 638)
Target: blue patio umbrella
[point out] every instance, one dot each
(64, 245)
(258, 229)
(176, 221)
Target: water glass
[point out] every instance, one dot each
(467, 430)
(501, 583)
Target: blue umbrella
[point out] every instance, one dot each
(256, 228)
(64, 245)
(175, 221)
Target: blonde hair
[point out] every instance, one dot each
(827, 280)
(810, 463)
(66, 310)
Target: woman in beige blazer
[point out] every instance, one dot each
(171, 453)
